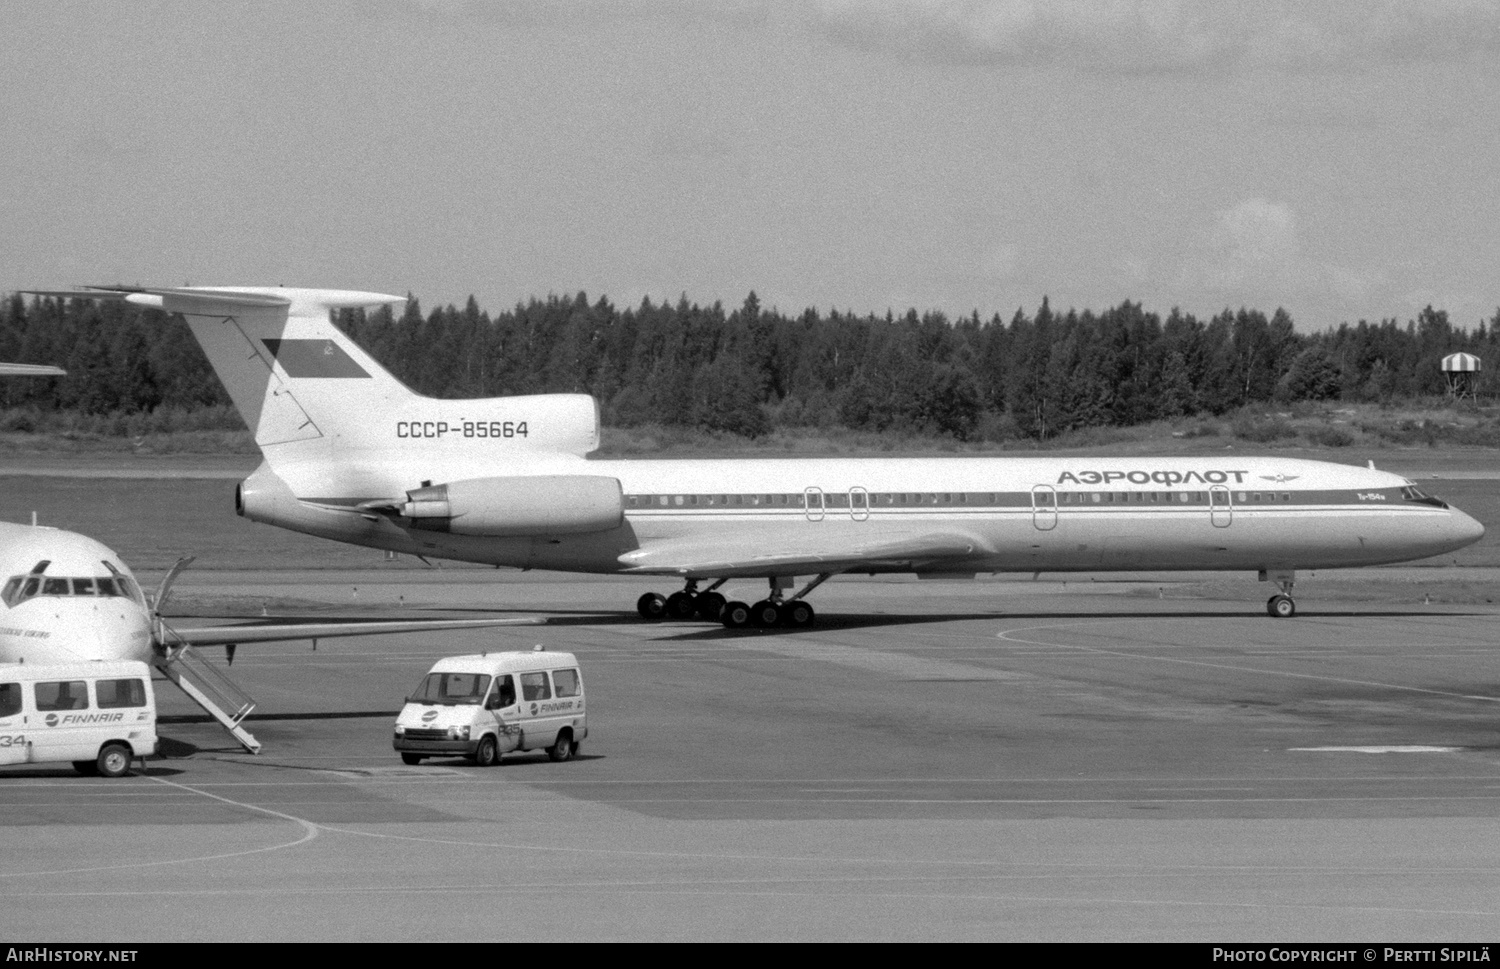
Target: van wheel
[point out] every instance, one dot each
(411, 759)
(487, 754)
(86, 767)
(114, 760)
(563, 748)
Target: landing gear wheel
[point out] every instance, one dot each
(765, 614)
(563, 748)
(735, 615)
(651, 606)
(114, 760)
(411, 760)
(710, 604)
(680, 605)
(487, 754)
(1281, 607)
(797, 614)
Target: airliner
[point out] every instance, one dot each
(351, 454)
(68, 598)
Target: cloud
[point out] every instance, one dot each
(1252, 243)
(1169, 35)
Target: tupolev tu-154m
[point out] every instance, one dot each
(353, 455)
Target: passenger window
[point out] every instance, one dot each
(62, 695)
(566, 682)
(534, 687)
(114, 694)
(10, 699)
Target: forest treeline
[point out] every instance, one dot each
(749, 370)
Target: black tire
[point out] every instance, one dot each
(765, 614)
(563, 747)
(1281, 607)
(680, 605)
(796, 615)
(651, 606)
(735, 615)
(710, 604)
(87, 768)
(411, 760)
(487, 754)
(114, 760)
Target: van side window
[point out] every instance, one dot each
(505, 692)
(62, 695)
(10, 699)
(534, 687)
(114, 694)
(566, 682)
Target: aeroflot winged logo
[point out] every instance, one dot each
(1150, 477)
(313, 358)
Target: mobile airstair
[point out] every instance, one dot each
(211, 690)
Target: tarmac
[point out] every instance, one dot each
(1005, 760)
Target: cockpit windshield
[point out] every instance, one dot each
(451, 689)
(1412, 493)
(19, 588)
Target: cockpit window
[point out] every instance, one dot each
(19, 588)
(1412, 493)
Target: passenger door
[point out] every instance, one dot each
(1220, 506)
(58, 733)
(1044, 508)
(537, 722)
(501, 704)
(12, 725)
(859, 504)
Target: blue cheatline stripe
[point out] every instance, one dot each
(313, 358)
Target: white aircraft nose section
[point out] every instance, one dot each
(109, 629)
(1467, 529)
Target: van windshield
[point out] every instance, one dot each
(451, 689)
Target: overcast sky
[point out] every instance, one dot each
(1340, 159)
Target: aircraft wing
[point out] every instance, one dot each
(30, 370)
(714, 558)
(283, 632)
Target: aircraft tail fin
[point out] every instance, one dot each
(307, 390)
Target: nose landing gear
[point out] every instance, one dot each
(1280, 606)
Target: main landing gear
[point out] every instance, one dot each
(709, 605)
(1280, 606)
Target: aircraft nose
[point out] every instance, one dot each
(1469, 530)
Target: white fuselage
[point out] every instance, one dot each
(1009, 514)
(67, 598)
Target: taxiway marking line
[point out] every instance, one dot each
(1007, 635)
